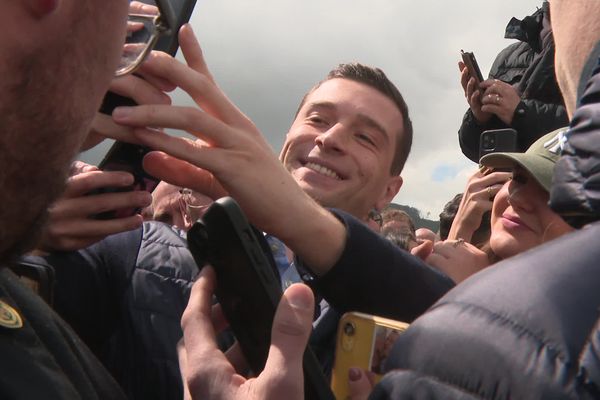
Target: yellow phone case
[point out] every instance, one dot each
(363, 341)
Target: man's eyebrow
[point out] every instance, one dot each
(328, 105)
(361, 118)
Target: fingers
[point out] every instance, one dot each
(75, 234)
(196, 80)
(94, 204)
(193, 52)
(147, 71)
(207, 369)
(104, 127)
(182, 173)
(80, 184)
(422, 250)
(359, 384)
(189, 119)
(138, 89)
(292, 326)
(79, 167)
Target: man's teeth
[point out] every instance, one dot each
(322, 170)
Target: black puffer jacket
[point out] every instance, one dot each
(526, 328)
(528, 66)
(576, 183)
(529, 327)
(124, 296)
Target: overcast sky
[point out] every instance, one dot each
(266, 54)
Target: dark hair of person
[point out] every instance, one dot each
(447, 215)
(376, 78)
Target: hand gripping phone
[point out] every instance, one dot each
(363, 341)
(248, 286)
(470, 62)
(125, 156)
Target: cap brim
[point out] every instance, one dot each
(540, 168)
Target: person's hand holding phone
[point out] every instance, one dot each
(70, 223)
(143, 88)
(473, 94)
(476, 201)
(208, 373)
(230, 156)
(499, 98)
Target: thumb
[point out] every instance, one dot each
(359, 384)
(292, 326)
(423, 250)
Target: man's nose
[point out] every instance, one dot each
(334, 139)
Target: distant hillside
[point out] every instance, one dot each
(418, 220)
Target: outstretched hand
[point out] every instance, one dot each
(229, 156)
(208, 374)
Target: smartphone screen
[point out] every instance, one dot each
(248, 286)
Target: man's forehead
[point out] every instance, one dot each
(358, 99)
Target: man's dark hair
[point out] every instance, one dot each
(447, 216)
(376, 78)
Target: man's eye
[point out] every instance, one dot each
(365, 138)
(316, 120)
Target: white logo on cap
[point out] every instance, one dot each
(557, 143)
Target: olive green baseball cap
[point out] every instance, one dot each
(538, 160)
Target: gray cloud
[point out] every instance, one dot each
(266, 54)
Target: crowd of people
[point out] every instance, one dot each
(502, 300)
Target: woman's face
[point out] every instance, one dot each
(521, 217)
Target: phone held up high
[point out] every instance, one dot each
(498, 140)
(248, 286)
(363, 341)
(468, 58)
(128, 157)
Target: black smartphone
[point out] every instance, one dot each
(175, 14)
(248, 286)
(470, 62)
(128, 157)
(498, 140)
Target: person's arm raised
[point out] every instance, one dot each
(230, 156)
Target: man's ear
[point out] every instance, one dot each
(41, 8)
(393, 186)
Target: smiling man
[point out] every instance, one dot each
(349, 141)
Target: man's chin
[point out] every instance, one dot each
(25, 242)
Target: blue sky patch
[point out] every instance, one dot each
(445, 172)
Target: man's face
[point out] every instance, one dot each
(56, 67)
(341, 146)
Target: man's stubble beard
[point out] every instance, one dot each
(44, 115)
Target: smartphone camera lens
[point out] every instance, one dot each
(349, 329)
(489, 142)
